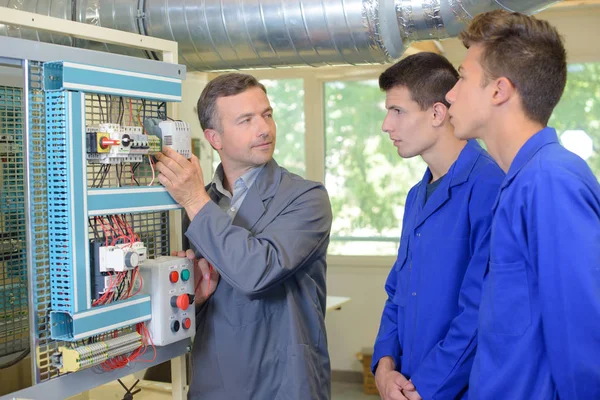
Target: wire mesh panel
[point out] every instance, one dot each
(14, 325)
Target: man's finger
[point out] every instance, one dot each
(178, 253)
(176, 159)
(164, 181)
(196, 163)
(404, 383)
(397, 396)
(167, 171)
(204, 268)
(189, 253)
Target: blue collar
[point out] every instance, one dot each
(530, 148)
(461, 168)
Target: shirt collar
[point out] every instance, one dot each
(247, 180)
(530, 148)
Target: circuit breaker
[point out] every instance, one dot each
(170, 281)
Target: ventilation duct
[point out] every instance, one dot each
(237, 34)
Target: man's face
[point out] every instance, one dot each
(409, 127)
(470, 100)
(247, 137)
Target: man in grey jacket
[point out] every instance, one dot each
(260, 329)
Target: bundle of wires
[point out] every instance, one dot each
(124, 360)
(121, 284)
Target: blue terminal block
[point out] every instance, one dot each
(63, 75)
(101, 319)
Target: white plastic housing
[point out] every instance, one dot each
(157, 283)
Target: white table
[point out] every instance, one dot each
(335, 302)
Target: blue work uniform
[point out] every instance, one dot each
(429, 323)
(539, 328)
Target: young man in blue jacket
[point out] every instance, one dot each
(429, 323)
(539, 326)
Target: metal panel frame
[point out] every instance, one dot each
(68, 215)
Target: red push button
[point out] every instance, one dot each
(187, 323)
(183, 302)
(174, 276)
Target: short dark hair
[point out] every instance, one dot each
(427, 76)
(528, 51)
(222, 86)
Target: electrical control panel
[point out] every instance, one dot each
(174, 134)
(115, 144)
(170, 282)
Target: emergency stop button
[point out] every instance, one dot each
(174, 276)
(187, 323)
(182, 302)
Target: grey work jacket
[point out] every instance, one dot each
(262, 333)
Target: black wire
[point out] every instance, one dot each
(133, 170)
(119, 174)
(101, 109)
(144, 110)
(108, 108)
(94, 227)
(97, 176)
(162, 105)
(21, 356)
(106, 171)
(121, 110)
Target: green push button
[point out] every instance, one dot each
(185, 275)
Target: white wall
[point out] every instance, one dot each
(192, 87)
(355, 325)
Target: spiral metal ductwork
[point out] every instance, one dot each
(238, 34)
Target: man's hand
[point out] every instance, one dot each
(205, 277)
(412, 394)
(392, 385)
(183, 180)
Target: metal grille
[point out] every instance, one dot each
(152, 228)
(44, 345)
(14, 326)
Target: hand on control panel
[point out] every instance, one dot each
(206, 278)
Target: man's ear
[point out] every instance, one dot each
(214, 138)
(440, 111)
(503, 91)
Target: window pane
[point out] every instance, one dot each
(577, 116)
(366, 179)
(287, 99)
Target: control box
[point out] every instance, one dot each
(174, 134)
(170, 282)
